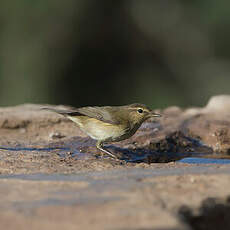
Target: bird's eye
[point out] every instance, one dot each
(140, 110)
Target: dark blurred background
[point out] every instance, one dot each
(106, 52)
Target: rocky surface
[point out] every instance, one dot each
(53, 177)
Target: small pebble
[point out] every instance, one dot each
(56, 135)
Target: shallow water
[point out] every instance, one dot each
(46, 149)
(200, 160)
(128, 155)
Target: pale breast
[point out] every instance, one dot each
(103, 131)
(99, 130)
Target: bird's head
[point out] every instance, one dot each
(138, 113)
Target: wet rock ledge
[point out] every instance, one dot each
(53, 177)
(179, 133)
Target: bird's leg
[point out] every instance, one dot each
(100, 147)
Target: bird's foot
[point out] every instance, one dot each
(100, 147)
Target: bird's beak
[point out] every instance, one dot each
(155, 114)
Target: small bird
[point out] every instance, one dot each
(108, 124)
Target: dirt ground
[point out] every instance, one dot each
(53, 177)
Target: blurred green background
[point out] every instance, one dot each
(106, 52)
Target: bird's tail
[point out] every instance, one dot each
(60, 111)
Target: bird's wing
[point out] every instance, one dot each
(99, 113)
